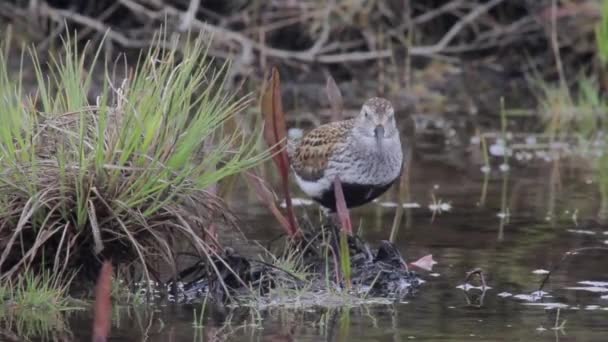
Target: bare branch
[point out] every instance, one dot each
(189, 15)
(453, 32)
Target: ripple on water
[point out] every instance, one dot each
(540, 271)
(467, 287)
(549, 306)
(581, 231)
(590, 286)
(532, 297)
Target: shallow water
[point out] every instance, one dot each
(549, 208)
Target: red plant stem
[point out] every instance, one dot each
(103, 304)
(276, 138)
(294, 231)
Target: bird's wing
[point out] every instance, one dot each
(311, 156)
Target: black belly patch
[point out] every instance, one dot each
(354, 194)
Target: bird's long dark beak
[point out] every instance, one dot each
(379, 132)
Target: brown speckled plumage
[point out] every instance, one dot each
(310, 157)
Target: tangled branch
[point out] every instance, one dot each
(336, 35)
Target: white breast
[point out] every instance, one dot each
(313, 188)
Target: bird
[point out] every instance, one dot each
(365, 152)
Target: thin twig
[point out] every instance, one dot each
(566, 256)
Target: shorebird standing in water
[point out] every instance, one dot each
(364, 152)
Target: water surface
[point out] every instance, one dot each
(551, 208)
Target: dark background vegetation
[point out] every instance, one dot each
(406, 50)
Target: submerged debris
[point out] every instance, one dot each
(378, 275)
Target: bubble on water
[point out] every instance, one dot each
(592, 307)
(594, 283)
(485, 169)
(540, 271)
(593, 289)
(505, 294)
(504, 167)
(549, 306)
(531, 140)
(532, 297)
(498, 150)
(581, 231)
(475, 140)
(502, 215)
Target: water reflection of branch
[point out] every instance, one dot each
(479, 272)
(559, 327)
(564, 257)
(332, 323)
(471, 301)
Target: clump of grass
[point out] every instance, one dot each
(45, 292)
(34, 304)
(118, 173)
(291, 260)
(585, 114)
(582, 116)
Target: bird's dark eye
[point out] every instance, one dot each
(366, 114)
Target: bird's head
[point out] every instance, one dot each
(377, 120)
